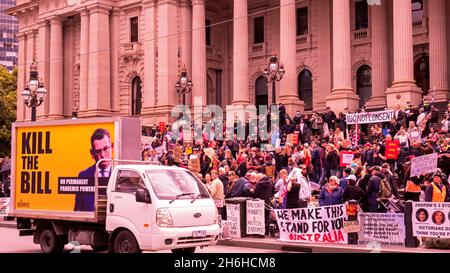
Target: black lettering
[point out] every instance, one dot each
(26, 143)
(39, 183)
(48, 150)
(33, 149)
(25, 182)
(40, 149)
(24, 162)
(30, 162)
(47, 183)
(295, 214)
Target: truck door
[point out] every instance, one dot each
(123, 210)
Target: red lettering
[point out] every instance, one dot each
(340, 236)
(316, 237)
(325, 238)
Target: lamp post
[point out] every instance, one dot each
(184, 84)
(274, 72)
(34, 92)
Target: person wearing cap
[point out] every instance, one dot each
(436, 191)
(343, 182)
(373, 188)
(353, 192)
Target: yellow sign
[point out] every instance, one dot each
(55, 165)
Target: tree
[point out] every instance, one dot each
(8, 106)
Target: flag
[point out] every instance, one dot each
(355, 138)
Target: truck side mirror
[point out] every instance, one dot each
(143, 196)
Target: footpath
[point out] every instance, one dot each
(270, 243)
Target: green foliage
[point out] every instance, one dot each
(8, 106)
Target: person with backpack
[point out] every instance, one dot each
(374, 188)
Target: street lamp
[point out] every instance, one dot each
(274, 72)
(184, 84)
(34, 92)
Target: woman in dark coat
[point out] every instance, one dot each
(331, 194)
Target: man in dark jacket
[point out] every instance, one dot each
(238, 188)
(390, 178)
(353, 192)
(264, 191)
(362, 184)
(329, 117)
(373, 188)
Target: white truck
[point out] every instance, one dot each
(137, 206)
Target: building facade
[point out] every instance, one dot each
(124, 57)
(9, 27)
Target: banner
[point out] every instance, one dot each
(314, 225)
(431, 219)
(346, 158)
(369, 117)
(424, 164)
(4, 206)
(234, 220)
(392, 149)
(386, 228)
(255, 217)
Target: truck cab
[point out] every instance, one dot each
(153, 207)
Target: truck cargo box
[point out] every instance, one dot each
(53, 166)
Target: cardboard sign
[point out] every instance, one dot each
(392, 149)
(177, 154)
(194, 164)
(312, 225)
(351, 226)
(385, 228)
(290, 139)
(234, 220)
(255, 217)
(210, 152)
(346, 158)
(431, 219)
(424, 164)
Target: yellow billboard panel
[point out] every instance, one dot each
(55, 165)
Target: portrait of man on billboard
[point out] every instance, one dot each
(101, 148)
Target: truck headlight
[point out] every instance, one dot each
(163, 218)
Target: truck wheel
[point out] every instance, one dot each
(126, 243)
(50, 242)
(184, 250)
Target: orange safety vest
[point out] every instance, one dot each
(438, 195)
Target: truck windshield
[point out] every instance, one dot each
(170, 184)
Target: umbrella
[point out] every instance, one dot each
(6, 167)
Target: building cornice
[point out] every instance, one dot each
(14, 11)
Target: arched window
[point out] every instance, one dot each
(136, 96)
(364, 84)
(261, 94)
(305, 88)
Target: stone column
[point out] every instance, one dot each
(115, 48)
(199, 88)
(84, 62)
(240, 53)
(186, 17)
(288, 53)
(404, 88)
(99, 79)
(56, 69)
(43, 59)
(167, 58)
(342, 94)
(380, 67)
(149, 84)
(21, 77)
(438, 50)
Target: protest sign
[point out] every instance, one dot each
(146, 140)
(162, 126)
(255, 217)
(4, 206)
(431, 219)
(386, 228)
(314, 225)
(194, 164)
(369, 117)
(295, 138)
(351, 226)
(177, 154)
(423, 164)
(346, 158)
(290, 139)
(210, 152)
(234, 220)
(392, 149)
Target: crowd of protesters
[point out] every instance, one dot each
(239, 168)
(5, 176)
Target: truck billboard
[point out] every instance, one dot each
(55, 162)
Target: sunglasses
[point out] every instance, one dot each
(99, 151)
